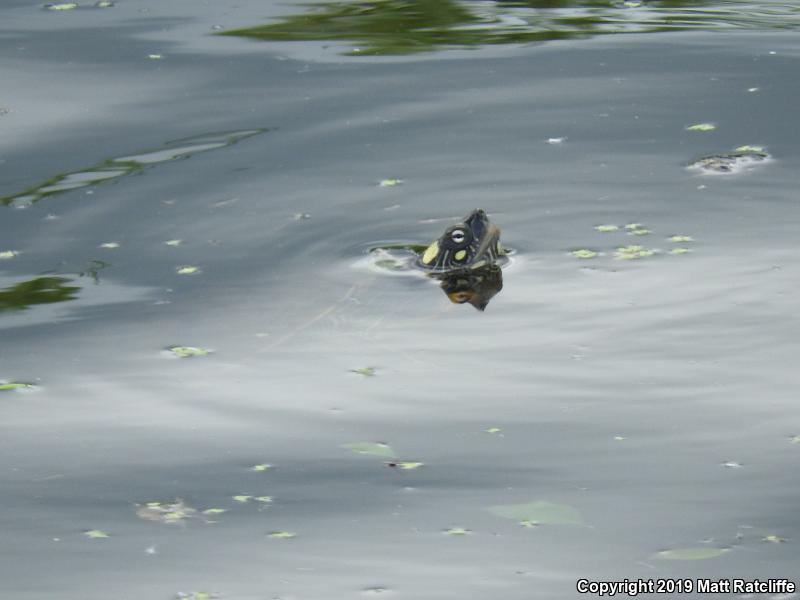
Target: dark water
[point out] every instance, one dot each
(656, 396)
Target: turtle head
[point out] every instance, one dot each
(467, 244)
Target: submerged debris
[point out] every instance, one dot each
(741, 159)
(169, 512)
(372, 448)
(699, 553)
(701, 127)
(538, 513)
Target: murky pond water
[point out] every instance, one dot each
(209, 387)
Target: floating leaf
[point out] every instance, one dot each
(754, 149)
(155, 56)
(214, 511)
(619, 438)
(261, 467)
(372, 448)
(406, 466)
(584, 253)
(457, 531)
(365, 371)
(15, 385)
(187, 351)
(243, 498)
(680, 251)
(632, 226)
(7, 254)
(538, 513)
(701, 127)
(96, 534)
(283, 535)
(606, 228)
(700, 553)
(775, 539)
(61, 6)
(187, 270)
(110, 245)
(639, 232)
(632, 252)
(682, 239)
(174, 243)
(493, 430)
(263, 499)
(390, 182)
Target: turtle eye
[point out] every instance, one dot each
(458, 236)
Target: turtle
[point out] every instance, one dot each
(468, 245)
(465, 260)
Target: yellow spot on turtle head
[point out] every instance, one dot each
(460, 255)
(430, 253)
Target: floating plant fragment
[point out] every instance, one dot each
(155, 56)
(174, 243)
(493, 430)
(187, 270)
(261, 467)
(701, 127)
(390, 182)
(196, 596)
(61, 6)
(243, 498)
(214, 511)
(188, 351)
(371, 448)
(555, 140)
(795, 439)
(775, 539)
(110, 245)
(538, 513)
(7, 254)
(632, 252)
(104, 4)
(96, 534)
(170, 512)
(263, 499)
(365, 371)
(457, 531)
(632, 226)
(732, 464)
(606, 228)
(282, 535)
(405, 466)
(680, 250)
(15, 385)
(115, 168)
(584, 253)
(700, 553)
(681, 239)
(639, 231)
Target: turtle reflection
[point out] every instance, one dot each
(476, 286)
